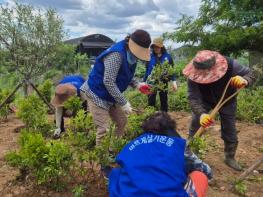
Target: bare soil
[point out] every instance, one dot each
(249, 150)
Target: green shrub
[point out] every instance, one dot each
(240, 187)
(135, 121)
(82, 122)
(179, 66)
(199, 146)
(78, 191)
(46, 89)
(160, 75)
(33, 113)
(49, 162)
(86, 140)
(137, 99)
(250, 105)
(178, 100)
(73, 104)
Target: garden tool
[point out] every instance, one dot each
(219, 105)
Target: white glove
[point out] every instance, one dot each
(174, 86)
(140, 84)
(57, 133)
(127, 108)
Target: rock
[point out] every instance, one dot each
(222, 188)
(9, 195)
(16, 192)
(255, 172)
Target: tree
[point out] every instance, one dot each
(29, 36)
(228, 26)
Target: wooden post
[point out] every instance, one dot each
(250, 169)
(42, 97)
(11, 94)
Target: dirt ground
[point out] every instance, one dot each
(249, 150)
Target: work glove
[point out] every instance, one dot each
(174, 86)
(56, 134)
(206, 120)
(127, 108)
(144, 88)
(238, 82)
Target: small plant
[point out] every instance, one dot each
(137, 99)
(160, 75)
(46, 89)
(33, 113)
(82, 122)
(179, 100)
(49, 162)
(240, 187)
(134, 123)
(73, 104)
(78, 191)
(85, 140)
(199, 146)
(251, 108)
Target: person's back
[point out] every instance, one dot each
(151, 165)
(156, 164)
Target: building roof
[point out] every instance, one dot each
(92, 41)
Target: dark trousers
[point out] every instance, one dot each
(228, 123)
(163, 100)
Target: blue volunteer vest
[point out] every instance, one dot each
(125, 75)
(154, 61)
(151, 166)
(76, 80)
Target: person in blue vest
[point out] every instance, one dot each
(158, 56)
(158, 164)
(111, 75)
(69, 86)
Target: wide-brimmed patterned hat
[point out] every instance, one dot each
(139, 44)
(158, 42)
(62, 93)
(206, 67)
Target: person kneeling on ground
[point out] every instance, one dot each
(158, 163)
(69, 86)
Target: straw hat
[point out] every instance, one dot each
(206, 67)
(139, 44)
(62, 93)
(158, 42)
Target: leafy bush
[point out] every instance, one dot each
(82, 122)
(160, 75)
(137, 99)
(250, 105)
(46, 89)
(73, 104)
(48, 162)
(86, 140)
(33, 113)
(135, 121)
(199, 146)
(178, 101)
(179, 66)
(240, 187)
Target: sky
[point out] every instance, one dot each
(117, 18)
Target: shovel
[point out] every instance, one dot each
(219, 105)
